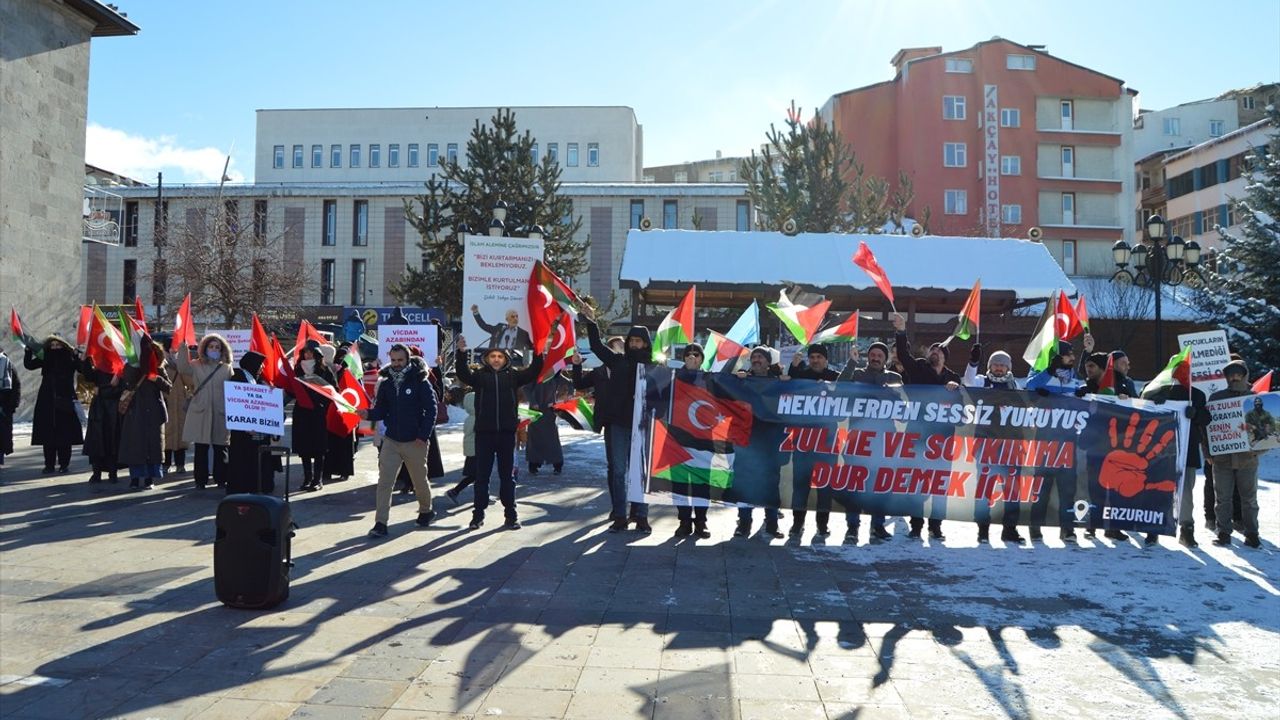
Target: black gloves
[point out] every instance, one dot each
(1190, 412)
(975, 353)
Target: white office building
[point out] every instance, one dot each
(1203, 181)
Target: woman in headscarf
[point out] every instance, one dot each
(56, 426)
(102, 434)
(206, 421)
(142, 420)
(310, 436)
(340, 458)
(175, 403)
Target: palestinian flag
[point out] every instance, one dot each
(1044, 343)
(1082, 313)
(578, 412)
(802, 321)
(846, 331)
(352, 361)
(689, 466)
(967, 322)
(526, 415)
(131, 335)
(721, 351)
(676, 328)
(1107, 383)
(1263, 384)
(20, 334)
(1177, 372)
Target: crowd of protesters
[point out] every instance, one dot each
(150, 423)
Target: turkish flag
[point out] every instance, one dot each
(184, 330)
(563, 344)
(259, 343)
(337, 419)
(866, 260)
(707, 417)
(1068, 322)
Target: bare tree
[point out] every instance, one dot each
(1128, 307)
(232, 265)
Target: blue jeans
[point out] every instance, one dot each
(619, 448)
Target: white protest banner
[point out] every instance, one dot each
(495, 288)
(1226, 429)
(1209, 354)
(426, 337)
(238, 340)
(254, 408)
(1256, 419)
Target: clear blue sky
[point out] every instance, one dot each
(702, 75)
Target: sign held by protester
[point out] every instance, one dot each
(425, 337)
(254, 408)
(1249, 423)
(1209, 354)
(495, 287)
(237, 340)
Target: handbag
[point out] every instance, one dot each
(186, 404)
(126, 398)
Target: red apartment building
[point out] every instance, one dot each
(999, 138)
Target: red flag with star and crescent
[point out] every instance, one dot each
(707, 417)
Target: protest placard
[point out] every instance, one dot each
(495, 287)
(1209, 354)
(425, 337)
(254, 408)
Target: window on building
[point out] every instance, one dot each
(1010, 117)
(955, 202)
(571, 154)
(433, 155)
(375, 155)
(959, 65)
(260, 210)
(715, 176)
(733, 176)
(1068, 161)
(1011, 214)
(593, 154)
(335, 156)
(1172, 126)
(360, 223)
(1020, 62)
(1069, 257)
(393, 155)
(130, 281)
(1216, 128)
(317, 156)
(742, 216)
(681, 176)
(533, 153)
(670, 214)
(1067, 110)
(355, 157)
(329, 230)
(131, 224)
(297, 156)
(953, 107)
(954, 154)
(277, 157)
(357, 282)
(553, 152)
(1068, 208)
(637, 213)
(231, 217)
(1010, 164)
(326, 281)
(1246, 102)
(413, 154)
(451, 153)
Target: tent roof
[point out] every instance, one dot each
(824, 261)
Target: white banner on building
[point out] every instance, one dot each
(425, 337)
(991, 153)
(254, 408)
(495, 286)
(1209, 354)
(237, 340)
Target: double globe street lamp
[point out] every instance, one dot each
(1157, 262)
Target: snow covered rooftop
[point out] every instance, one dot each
(825, 260)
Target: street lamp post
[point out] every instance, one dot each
(1157, 262)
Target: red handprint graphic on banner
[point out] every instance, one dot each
(1124, 469)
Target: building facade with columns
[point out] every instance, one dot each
(1001, 137)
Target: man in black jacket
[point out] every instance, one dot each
(1199, 416)
(616, 412)
(495, 383)
(597, 381)
(932, 370)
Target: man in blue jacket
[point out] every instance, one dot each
(406, 405)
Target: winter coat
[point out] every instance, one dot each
(543, 445)
(804, 372)
(973, 379)
(918, 371)
(883, 378)
(10, 398)
(407, 412)
(616, 407)
(142, 425)
(248, 470)
(310, 431)
(175, 402)
(55, 422)
(1196, 412)
(340, 455)
(495, 391)
(597, 381)
(206, 421)
(102, 433)
(469, 425)
(1238, 460)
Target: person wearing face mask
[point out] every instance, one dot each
(102, 429)
(930, 370)
(143, 419)
(310, 434)
(340, 456)
(1236, 471)
(496, 384)
(206, 421)
(55, 426)
(175, 402)
(999, 376)
(615, 411)
(769, 496)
